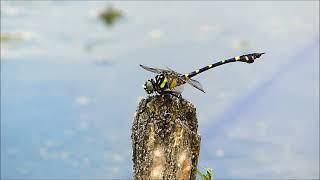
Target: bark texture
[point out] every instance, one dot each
(165, 141)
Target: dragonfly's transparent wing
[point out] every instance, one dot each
(154, 70)
(169, 69)
(195, 84)
(178, 89)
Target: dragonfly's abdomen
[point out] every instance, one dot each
(248, 58)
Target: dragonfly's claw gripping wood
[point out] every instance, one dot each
(165, 140)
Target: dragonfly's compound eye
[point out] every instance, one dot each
(148, 87)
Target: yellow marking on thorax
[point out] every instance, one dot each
(209, 66)
(173, 83)
(186, 75)
(237, 58)
(223, 61)
(246, 58)
(197, 71)
(163, 83)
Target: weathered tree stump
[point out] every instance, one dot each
(165, 141)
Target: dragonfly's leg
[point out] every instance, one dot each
(172, 93)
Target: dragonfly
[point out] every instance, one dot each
(168, 81)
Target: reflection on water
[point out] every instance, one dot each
(70, 85)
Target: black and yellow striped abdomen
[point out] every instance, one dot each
(248, 58)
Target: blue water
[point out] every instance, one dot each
(70, 87)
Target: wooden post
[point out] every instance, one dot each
(165, 141)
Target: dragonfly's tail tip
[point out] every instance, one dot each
(260, 54)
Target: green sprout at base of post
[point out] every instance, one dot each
(207, 176)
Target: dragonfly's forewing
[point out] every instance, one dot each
(169, 69)
(154, 70)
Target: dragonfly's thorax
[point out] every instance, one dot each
(161, 83)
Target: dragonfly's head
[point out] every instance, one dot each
(148, 86)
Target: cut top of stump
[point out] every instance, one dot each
(165, 140)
